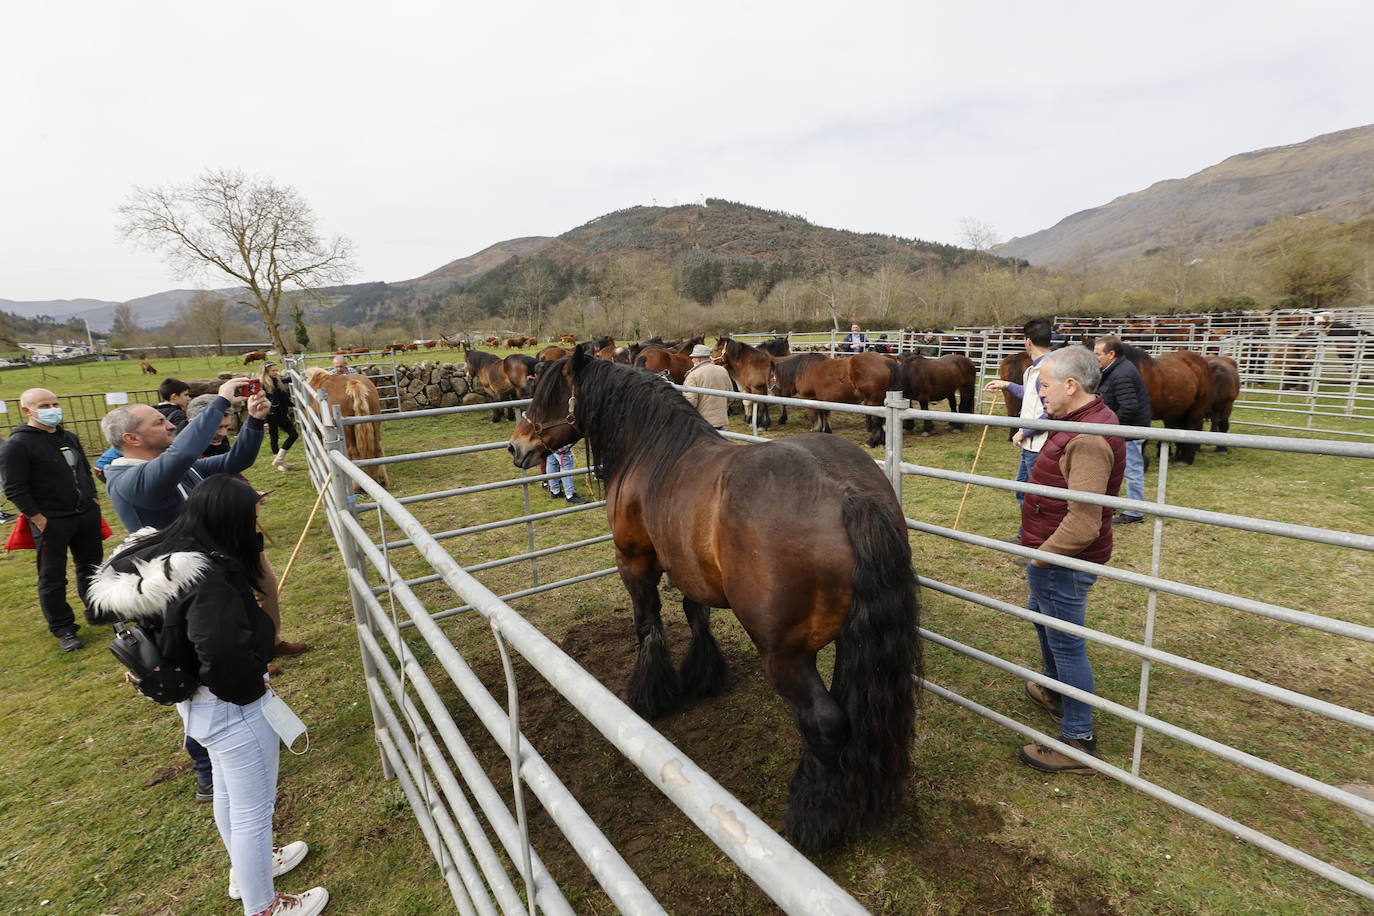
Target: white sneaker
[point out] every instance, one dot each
(284, 858)
(307, 904)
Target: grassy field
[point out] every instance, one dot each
(95, 794)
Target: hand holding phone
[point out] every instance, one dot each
(250, 387)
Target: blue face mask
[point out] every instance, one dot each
(49, 416)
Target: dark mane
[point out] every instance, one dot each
(1135, 354)
(631, 417)
(476, 359)
(786, 369)
(775, 347)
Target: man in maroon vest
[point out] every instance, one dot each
(1092, 464)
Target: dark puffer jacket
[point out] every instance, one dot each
(1123, 390)
(200, 605)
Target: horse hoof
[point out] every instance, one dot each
(926, 435)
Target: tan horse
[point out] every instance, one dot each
(355, 396)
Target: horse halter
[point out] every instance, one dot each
(569, 420)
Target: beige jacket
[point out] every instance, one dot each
(712, 407)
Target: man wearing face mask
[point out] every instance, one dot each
(48, 479)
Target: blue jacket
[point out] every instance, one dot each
(150, 493)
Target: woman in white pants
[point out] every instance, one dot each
(192, 583)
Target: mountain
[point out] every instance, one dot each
(1331, 176)
(60, 309)
(717, 239)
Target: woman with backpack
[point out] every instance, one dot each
(190, 589)
(279, 418)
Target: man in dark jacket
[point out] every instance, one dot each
(48, 479)
(1123, 390)
(175, 395)
(1088, 464)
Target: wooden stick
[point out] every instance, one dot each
(281, 583)
(958, 516)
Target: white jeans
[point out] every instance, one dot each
(245, 752)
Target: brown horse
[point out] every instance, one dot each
(1013, 369)
(146, 368)
(752, 370)
(253, 357)
(660, 361)
(776, 347)
(355, 396)
(924, 380)
(1225, 390)
(722, 521)
(551, 353)
(500, 378)
(1180, 386)
(864, 378)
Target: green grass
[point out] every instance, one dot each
(978, 833)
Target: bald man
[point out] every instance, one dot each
(48, 479)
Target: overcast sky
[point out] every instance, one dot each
(427, 131)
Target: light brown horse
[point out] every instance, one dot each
(355, 396)
(725, 522)
(925, 380)
(1180, 386)
(864, 378)
(659, 361)
(752, 370)
(1225, 390)
(501, 379)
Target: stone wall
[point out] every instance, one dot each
(428, 384)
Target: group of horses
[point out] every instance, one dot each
(767, 369)
(1186, 390)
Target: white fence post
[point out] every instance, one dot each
(896, 405)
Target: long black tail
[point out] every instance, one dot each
(877, 660)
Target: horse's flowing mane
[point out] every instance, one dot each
(630, 417)
(479, 358)
(1135, 354)
(786, 369)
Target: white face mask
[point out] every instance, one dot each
(284, 722)
(49, 416)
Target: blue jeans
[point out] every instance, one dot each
(1023, 470)
(245, 752)
(1063, 594)
(1135, 472)
(562, 459)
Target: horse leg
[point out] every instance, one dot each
(653, 688)
(877, 430)
(818, 814)
(703, 670)
(825, 420)
(815, 420)
(927, 425)
(782, 415)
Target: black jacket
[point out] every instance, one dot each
(174, 413)
(1124, 391)
(201, 607)
(43, 479)
(280, 396)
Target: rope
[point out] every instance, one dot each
(958, 516)
(281, 583)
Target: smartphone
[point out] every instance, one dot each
(250, 387)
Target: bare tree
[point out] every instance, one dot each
(208, 313)
(978, 235)
(258, 233)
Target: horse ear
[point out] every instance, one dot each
(579, 359)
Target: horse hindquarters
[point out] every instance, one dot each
(856, 751)
(877, 663)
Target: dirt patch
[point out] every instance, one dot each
(941, 853)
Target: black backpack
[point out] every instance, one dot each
(135, 645)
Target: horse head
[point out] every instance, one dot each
(548, 423)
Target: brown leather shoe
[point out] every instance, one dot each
(1045, 699)
(287, 649)
(1048, 760)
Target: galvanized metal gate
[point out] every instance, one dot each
(417, 736)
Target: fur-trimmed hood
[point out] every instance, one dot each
(133, 587)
